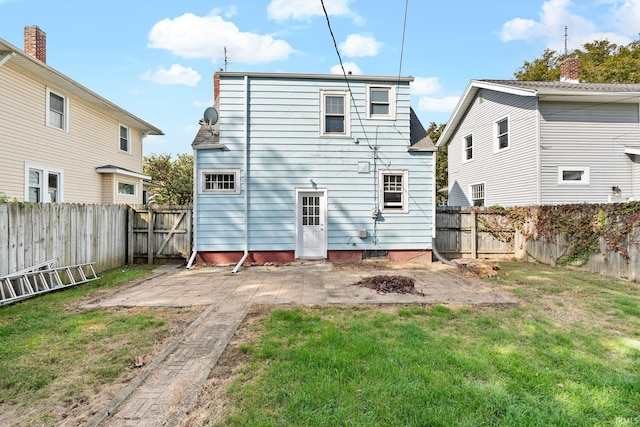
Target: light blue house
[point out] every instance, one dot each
(308, 166)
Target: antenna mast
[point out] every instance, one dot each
(226, 59)
(566, 52)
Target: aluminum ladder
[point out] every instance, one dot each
(42, 278)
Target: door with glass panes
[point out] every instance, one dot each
(311, 220)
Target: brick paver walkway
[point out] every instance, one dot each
(162, 394)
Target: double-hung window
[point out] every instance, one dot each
(124, 139)
(380, 102)
(502, 134)
(468, 148)
(335, 113)
(220, 181)
(43, 185)
(394, 193)
(477, 194)
(57, 111)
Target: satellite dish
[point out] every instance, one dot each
(210, 116)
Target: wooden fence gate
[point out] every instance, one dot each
(159, 232)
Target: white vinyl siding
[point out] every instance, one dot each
(511, 174)
(26, 137)
(589, 137)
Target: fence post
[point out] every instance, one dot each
(150, 248)
(474, 234)
(130, 248)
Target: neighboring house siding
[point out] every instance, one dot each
(587, 135)
(514, 182)
(286, 151)
(91, 140)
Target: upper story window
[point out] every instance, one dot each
(394, 186)
(220, 181)
(502, 134)
(335, 113)
(380, 102)
(43, 185)
(477, 194)
(468, 148)
(57, 111)
(125, 139)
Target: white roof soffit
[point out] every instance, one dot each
(61, 82)
(467, 98)
(632, 150)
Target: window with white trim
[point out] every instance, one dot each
(335, 113)
(42, 184)
(468, 148)
(477, 194)
(225, 181)
(127, 188)
(124, 139)
(573, 175)
(502, 134)
(57, 110)
(394, 191)
(380, 102)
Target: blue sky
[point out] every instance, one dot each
(156, 59)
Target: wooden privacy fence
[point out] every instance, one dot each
(165, 229)
(460, 234)
(463, 232)
(79, 233)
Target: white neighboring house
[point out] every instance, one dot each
(539, 143)
(60, 141)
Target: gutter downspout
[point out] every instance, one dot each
(6, 57)
(246, 175)
(194, 220)
(434, 213)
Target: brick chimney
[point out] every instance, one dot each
(569, 71)
(35, 42)
(216, 85)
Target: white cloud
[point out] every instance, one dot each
(357, 45)
(425, 86)
(192, 36)
(555, 15)
(176, 75)
(440, 105)
(627, 16)
(302, 10)
(348, 66)
(205, 104)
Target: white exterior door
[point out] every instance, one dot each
(311, 224)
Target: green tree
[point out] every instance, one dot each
(598, 62)
(434, 130)
(173, 177)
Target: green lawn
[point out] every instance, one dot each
(60, 362)
(567, 355)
